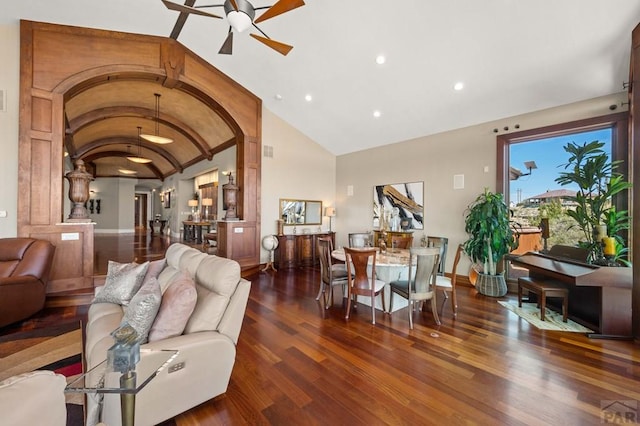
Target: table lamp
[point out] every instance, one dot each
(331, 212)
(206, 202)
(193, 204)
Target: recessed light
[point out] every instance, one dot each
(458, 86)
(308, 98)
(377, 114)
(380, 59)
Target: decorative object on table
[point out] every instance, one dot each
(490, 238)
(598, 182)
(280, 226)
(331, 212)
(407, 197)
(382, 242)
(229, 194)
(270, 243)
(125, 352)
(79, 180)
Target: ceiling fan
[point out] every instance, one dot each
(241, 15)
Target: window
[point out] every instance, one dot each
(529, 161)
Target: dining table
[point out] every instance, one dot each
(390, 266)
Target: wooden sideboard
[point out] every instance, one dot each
(376, 236)
(299, 250)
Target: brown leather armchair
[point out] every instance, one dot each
(25, 264)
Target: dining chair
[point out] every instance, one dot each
(443, 244)
(359, 239)
(401, 242)
(331, 274)
(360, 283)
(448, 284)
(419, 287)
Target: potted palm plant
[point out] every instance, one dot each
(590, 170)
(487, 222)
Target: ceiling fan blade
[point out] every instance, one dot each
(282, 6)
(275, 45)
(234, 4)
(188, 9)
(227, 46)
(182, 19)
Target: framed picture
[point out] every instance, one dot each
(166, 202)
(406, 197)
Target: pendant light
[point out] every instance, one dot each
(123, 169)
(157, 138)
(139, 158)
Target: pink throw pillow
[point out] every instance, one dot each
(178, 302)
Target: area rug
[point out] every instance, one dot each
(57, 348)
(552, 319)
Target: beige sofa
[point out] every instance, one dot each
(26, 397)
(207, 346)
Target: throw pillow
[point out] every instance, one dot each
(154, 269)
(143, 308)
(178, 302)
(122, 282)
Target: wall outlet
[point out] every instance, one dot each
(70, 236)
(238, 230)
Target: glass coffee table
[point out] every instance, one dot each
(101, 381)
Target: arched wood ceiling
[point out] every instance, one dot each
(102, 119)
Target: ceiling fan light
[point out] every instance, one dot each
(127, 171)
(239, 21)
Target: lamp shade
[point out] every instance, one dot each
(330, 211)
(192, 203)
(207, 202)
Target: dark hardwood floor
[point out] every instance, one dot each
(299, 364)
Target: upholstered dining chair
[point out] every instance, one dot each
(443, 244)
(419, 287)
(400, 242)
(331, 274)
(359, 281)
(448, 284)
(359, 239)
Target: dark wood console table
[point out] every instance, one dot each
(599, 296)
(160, 222)
(299, 250)
(192, 231)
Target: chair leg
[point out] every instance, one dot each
(348, 310)
(542, 304)
(384, 308)
(454, 303)
(321, 290)
(391, 302)
(434, 309)
(519, 296)
(373, 308)
(410, 309)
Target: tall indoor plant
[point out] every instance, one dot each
(590, 170)
(490, 238)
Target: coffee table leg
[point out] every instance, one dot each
(128, 400)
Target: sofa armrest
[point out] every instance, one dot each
(200, 372)
(231, 322)
(33, 398)
(20, 280)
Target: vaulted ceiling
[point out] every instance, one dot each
(103, 119)
(513, 56)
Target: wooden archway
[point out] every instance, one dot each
(56, 59)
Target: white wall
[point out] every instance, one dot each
(299, 169)
(435, 160)
(10, 84)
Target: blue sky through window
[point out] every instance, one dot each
(549, 155)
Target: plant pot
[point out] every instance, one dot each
(491, 285)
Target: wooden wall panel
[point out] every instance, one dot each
(56, 60)
(41, 183)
